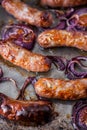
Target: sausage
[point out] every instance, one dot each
(27, 14)
(63, 3)
(55, 38)
(24, 58)
(61, 89)
(25, 111)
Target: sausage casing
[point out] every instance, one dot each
(27, 14)
(54, 38)
(61, 89)
(24, 58)
(63, 3)
(25, 111)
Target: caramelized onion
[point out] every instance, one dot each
(79, 115)
(22, 35)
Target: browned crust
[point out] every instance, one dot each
(27, 14)
(56, 38)
(63, 3)
(61, 89)
(24, 58)
(27, 111)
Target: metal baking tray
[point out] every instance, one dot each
(63, 108)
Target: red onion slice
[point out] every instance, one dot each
(62, 25)
(82, 14)
(58, 61)
(69, 66)
(71, 72)
(73, 20)
(79, 115)
(22, 35)
(4, 79)
(29, 80)
(81, 11)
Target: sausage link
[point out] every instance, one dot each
(24, 58)
(54, 38)
(61, 89)
(25, 111)
(63, 3)
(27, 14)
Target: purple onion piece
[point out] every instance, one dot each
(22, 35)
(29, 80)
(71, 76)
(79, 115)
(80, 58)
(71, 28)
(70, 20)
(62, 25)
(81, 11)
(73, 21)
(69, 12)
(4, 79)
(81, 28)
(71, 72)
(58, 61)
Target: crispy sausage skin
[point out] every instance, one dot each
(63, 3)
(24, 58)
(61, 89)
(25, 111)
(27, 14)
(54, 38)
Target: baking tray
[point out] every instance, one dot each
(63, 108)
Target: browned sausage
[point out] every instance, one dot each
(25, 111)
(27, 14)
(54, 38)
(61, 89)
(63, 3)
(24, 58)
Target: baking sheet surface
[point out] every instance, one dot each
(63, 108)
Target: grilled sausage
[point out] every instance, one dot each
(27, 14)
(25, 111)
(54, 38)
(24, 58)
(61, 89)
(63, 3)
